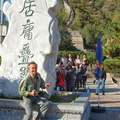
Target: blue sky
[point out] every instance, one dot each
(8, 0)
(1, 3)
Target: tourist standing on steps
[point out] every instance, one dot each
(85, 58)
(29, 89)
(60, 67)
(83, 72)
(70, 78)
(60, 77)
(78, 76)
(78, 60)
(95, 73)
(70, 58)
(101, 76)
(64, 60)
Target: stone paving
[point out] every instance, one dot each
(110, 101)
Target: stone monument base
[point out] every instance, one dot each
(77, 110)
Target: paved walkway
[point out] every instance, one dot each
(110, 101)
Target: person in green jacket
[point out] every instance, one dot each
(29, 89)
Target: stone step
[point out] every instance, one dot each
(77, 110)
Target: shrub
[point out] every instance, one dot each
(90, 55)
(74, 53)
(91, 58)
(112, 66)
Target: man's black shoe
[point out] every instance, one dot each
(96, 93)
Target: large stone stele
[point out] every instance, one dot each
(33, 35)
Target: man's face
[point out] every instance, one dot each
(84, 56)
(32, 69)
(78, 57)
(77, 65)
(63, 55)
(70, 55)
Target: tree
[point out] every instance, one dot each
(91, 33)
(93, 19)
(66, 41)
(112, 36)
(89, 20)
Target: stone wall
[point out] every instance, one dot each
(78, 40)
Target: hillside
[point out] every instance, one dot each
(93, 19)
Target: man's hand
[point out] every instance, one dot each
(103, 79)
(33, 93)
(48, 84)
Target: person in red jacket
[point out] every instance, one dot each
(60, 77)
(60, 81)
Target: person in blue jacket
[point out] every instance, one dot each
(96, 73)
(100, 74)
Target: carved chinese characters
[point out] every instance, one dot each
(33, 35)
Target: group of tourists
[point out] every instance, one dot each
(71, 73)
